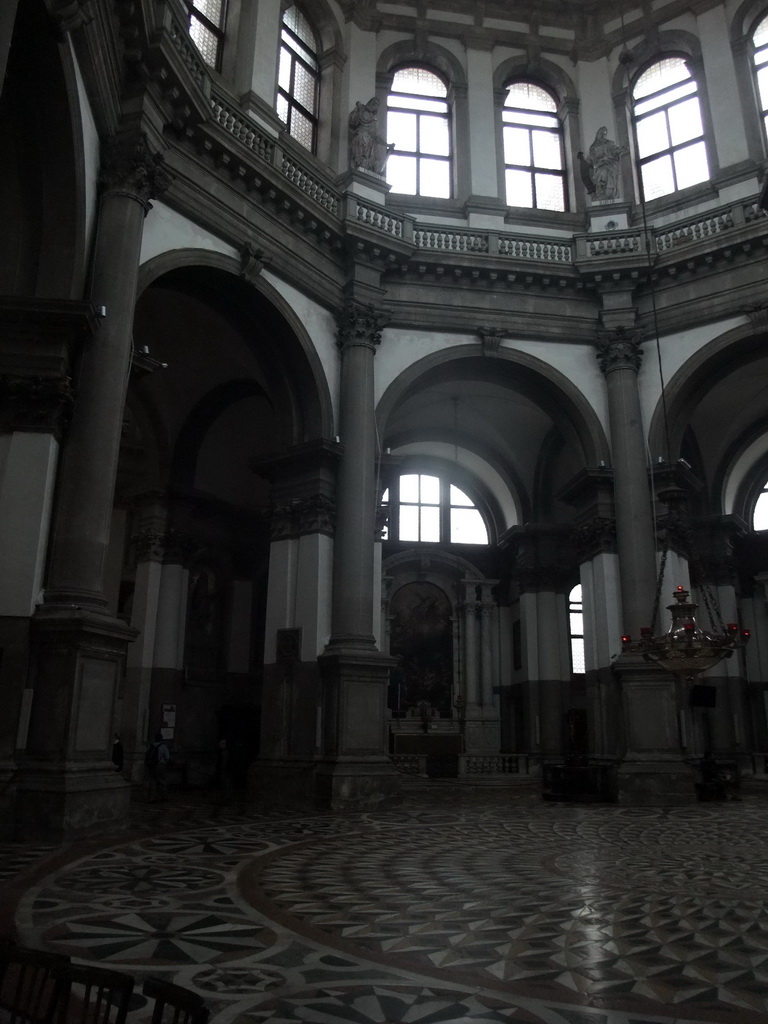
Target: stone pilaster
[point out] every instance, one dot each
(355, 770)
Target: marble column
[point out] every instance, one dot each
(652, 769)
(355, 770)
(65, 784)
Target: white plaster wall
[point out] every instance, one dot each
(482, 129)
(321, 327)
(166, 230)
(401, 347)
(596, 106)
(676, 349)
(724, 105)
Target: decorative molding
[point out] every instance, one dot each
(491, 339)
(35, 404)
(169, 546)
(595, 537)
(619, 349)
(128, 167)
(303, 516)
(758, 315)
(70, 15)
(360, 324)
(252, 262)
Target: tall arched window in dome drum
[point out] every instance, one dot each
(669, 133)
(534, 166)
(298, 78)
(418, 125)
(760, 62)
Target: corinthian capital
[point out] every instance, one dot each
(128, 167)
(359, 324)
(619, 349)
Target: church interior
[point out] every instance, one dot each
(384, 425)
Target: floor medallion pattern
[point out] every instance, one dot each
(548, 914)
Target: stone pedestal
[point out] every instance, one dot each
(65, 785)
(355, 771)
(653, 769)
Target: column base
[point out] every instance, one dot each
(66, 802)
(352, 785)
(645, 783)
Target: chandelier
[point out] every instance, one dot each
(685, 649)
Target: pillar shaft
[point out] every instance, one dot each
(87, 480)
(620, 358)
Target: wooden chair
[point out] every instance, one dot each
(30, 991)
(93, 995)
(174, 1004)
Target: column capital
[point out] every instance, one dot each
(303, 516)
(619, 349)
(360, 324)
(128, 167)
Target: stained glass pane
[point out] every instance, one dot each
(576, 623)
(398, 102)
(282, 108)
(284, 69)
(665, 98)
(401, 174)
(760, 36)
(546, 150)
(430, 490)
(433, 135)
(302, 129)
(535, 120)
(409, 522)
(519, 189)
(530, 96)
(658, 179)
(577, 656)
(652, 134)
(467, 527)
(430, 524)
(212, 9)
(435, 178)
(459, 497)
(409, 488)
(205, 40)
(760, 518)
(691, 165)
(401, 129)
(661, 75)
(517, 146)
(419, 81)
(575, 595)
(299, 25)
(304, 87)
(685, 121)
(762, 84)
(550, 194)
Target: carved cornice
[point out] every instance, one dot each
(530, 577)
(303, 516)
(595, 537)
(70, 15)
(129, 168)
(360, 324)
(619, 349)
(157, 545)
(35, 404)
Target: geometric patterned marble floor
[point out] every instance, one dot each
(478, 911)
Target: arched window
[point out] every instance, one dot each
(576, 630)
(418, 124)
(760, 515)
(668, 128)
(533, 148)
(206, 26)
(297, 78)
(760, 59)
(430, 509)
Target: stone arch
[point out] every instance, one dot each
(432, 56)
(544, 72)
(298, 369)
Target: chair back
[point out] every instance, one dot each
(93, 995)
(30, 990)
(174, 1004)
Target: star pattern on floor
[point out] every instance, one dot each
(567, 915)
